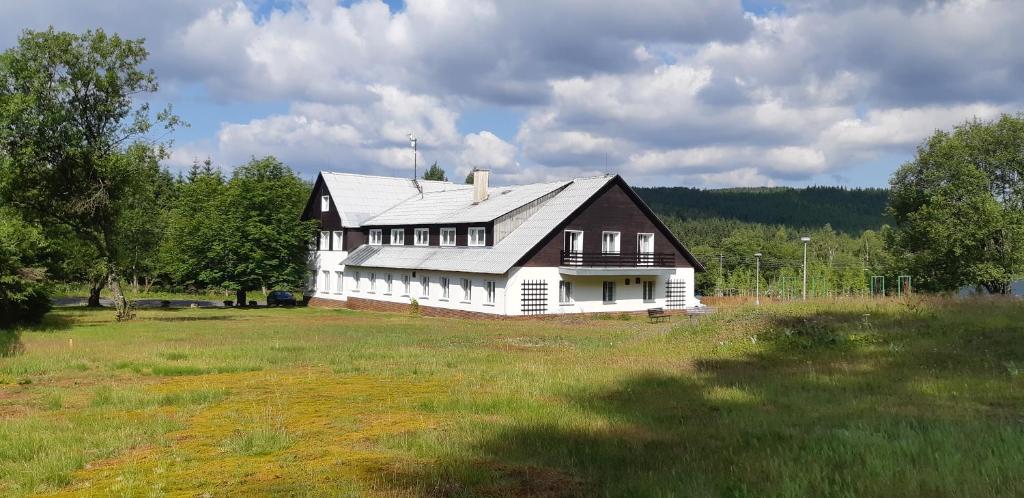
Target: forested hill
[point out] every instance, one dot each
(847, 210)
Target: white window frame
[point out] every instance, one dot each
(490, 292)
(406, 285)
(476, 237)
(467, 290)
(613, 248)
(565, 292)
(445, 288)
(358, 282)
(373, 283)
(644, 258)
(445, 232)
(647, 284)
(376, 237)
(400, 239)
(326, 281)
(325, 240)
(388, 284)
(425, 287)
(421, 237)
(608, 290)
(339, 284)
(576, 248)
(325, 203)
(337, 240)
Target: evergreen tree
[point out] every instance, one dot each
(435, 173)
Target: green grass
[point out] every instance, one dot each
(849, 398)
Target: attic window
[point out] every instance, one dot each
(325, 203)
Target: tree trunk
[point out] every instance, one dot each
(125, 310)
(240, 297)
(94, 292)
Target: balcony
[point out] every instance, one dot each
(598, 263)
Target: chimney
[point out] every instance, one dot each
(480, 185)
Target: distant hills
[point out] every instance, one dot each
(847, 210)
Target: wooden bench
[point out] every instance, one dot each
(655, 314)
(692, 313)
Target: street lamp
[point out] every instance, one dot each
(412, 143)
(805, 241)
(757, 280)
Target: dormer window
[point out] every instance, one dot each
(477, 236)
(325, 203)
(376, 237)
(421, 236)
(397, 236)
(448, 236)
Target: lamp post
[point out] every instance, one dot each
(757, 280)
(805, 241)
(412, 143)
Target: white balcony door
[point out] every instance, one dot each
(573, 247)
(645, 248)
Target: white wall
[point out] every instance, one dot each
(587, 291)
(456, 300)
(331, 262)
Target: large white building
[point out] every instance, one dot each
(587, 245)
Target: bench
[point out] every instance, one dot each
(655, 314)
(691, 313)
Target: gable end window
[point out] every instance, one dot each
(421, 237)
(477, 236)
(339, 240)
(325, 203)
(376, 237)
(325, 241)
(448, 236)
(609, 242)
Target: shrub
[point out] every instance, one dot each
(414, 307)
(23, 294)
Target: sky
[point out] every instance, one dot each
(711, 93)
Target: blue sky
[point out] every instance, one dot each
(712, 93)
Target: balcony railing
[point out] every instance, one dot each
(573, 258)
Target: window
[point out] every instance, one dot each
(325, 203)
(648, 291)
(444, 288)
(387, 284)
(467, 290)
(564, 292)
(448, 236)
(610, 242)
(490, 289)
(645, 248)
(326, 284)
(421, 237)
(373, 282)
(424, 287)
(572, 247)
(339, 240)
(376, 237)
(608, 292)
(358, 283)
(405, 285)
(325, 241)
(397, 236)
(477, 236)
(339, 282)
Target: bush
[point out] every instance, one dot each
(23, 294)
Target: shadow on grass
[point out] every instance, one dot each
(832, 403)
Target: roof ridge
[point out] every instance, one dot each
(322, 172)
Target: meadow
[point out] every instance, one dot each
(922, 397)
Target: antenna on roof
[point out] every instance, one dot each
(412, 143)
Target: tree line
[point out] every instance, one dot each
(83, 198)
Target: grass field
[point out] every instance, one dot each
(858, 398)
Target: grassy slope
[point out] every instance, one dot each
(855, 398)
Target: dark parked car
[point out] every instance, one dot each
(280, 298)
